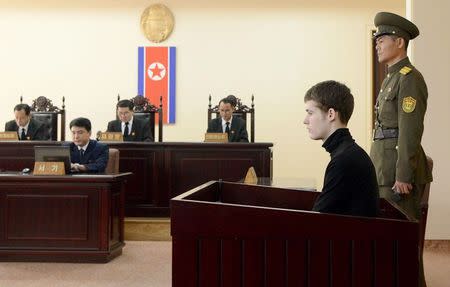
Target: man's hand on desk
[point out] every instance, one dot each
(76, 167)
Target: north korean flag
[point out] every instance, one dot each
(156, 78)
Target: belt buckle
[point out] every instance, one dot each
(378, 134)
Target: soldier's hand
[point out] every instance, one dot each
(402, 187)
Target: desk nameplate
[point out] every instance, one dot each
(49, 168)
(8, 136)
(111, 136)
(216, 137)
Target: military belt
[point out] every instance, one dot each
(381, 134)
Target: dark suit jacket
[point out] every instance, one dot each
(238, 129)
(36, 130)
(95, 157)
(140, 130)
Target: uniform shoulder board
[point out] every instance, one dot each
(405, 70)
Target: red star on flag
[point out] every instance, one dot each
(156, 71)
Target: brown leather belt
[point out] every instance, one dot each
(381, 134)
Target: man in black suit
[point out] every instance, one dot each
(26, 127)
(132, 129)
(86, 155)
(226, 123)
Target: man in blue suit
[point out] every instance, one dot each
(86, 155)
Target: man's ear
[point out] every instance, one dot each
(401, 43)
(332, 114)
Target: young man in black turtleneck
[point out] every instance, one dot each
(350, 184)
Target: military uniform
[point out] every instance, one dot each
(396, 151)
(400, 109)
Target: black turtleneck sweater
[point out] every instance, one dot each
(350, 184)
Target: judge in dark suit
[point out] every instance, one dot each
(26, 127)
(132, 129)
(226, 123)
(86, 155)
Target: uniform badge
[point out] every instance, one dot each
(409, 104)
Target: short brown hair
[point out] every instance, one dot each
(332, 95)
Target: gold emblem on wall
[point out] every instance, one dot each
(157, 22)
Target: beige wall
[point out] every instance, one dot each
(86, 51)
(431, 56)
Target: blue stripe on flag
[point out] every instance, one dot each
(141, 71)
(172, 77)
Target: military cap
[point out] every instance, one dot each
(393, 24)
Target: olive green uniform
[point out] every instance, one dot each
(396, 151)
(400, 110)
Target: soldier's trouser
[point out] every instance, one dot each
(410, 204)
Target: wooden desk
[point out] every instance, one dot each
(75, 218)
(163, 170)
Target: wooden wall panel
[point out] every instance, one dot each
(47, 217)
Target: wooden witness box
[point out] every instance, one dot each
(8, 136)
(231, 234)
(216, 137)
(111, 136)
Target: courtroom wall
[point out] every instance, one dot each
(431, 57)
(87, 52)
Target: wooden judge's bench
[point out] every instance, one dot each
(162, 170)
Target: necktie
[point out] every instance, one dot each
(81, 155)
(125, 130)
(23, 136)
(227, 129)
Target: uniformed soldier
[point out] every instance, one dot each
(396, 152)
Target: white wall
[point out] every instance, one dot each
(431, 57)
(86, 51)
